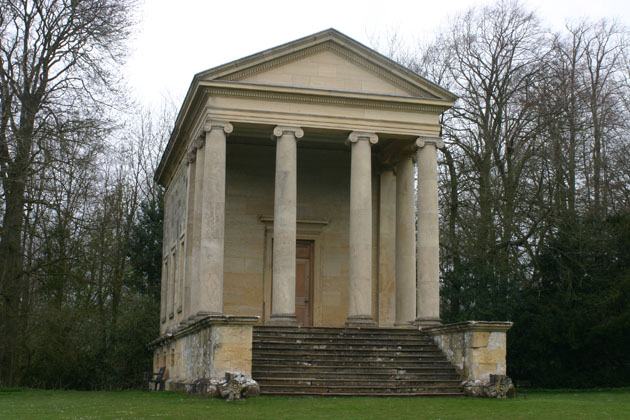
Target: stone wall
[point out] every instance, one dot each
(205, 349)
(173, 248)
(476, 348)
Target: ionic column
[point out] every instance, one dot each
(428, 242)
(194, 234)
(360, 308)
(213, 219)
(405, 244)
(284, 226)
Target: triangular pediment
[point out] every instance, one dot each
(327, 60)
(327, 70)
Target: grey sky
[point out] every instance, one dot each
(177, 39)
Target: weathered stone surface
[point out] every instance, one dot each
(476, 348)
(479, 338)
(207, 348)
(235, 386)
(487, 355)
(203, 388)
(497, 386)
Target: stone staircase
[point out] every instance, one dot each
(350, 362)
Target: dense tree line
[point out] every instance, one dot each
(535, 179)
(78, 206)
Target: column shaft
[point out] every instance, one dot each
(405, 244)
(360, 308)
(284, 226)
(213, 219)
(428, 260)
(387, 249)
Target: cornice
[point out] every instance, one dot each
(484, 326)
(203, 323)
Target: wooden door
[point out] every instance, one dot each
(304, 283)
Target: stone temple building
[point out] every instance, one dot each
(292, 207)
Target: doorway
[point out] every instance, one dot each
(304, 251)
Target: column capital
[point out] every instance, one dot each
(211, 124)
(191, 156)
(195, 145)
(279, 130)
(424, 140)
(198, 143)
(355, 136)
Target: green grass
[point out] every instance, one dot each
(554, 405)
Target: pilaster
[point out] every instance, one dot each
(195, 224)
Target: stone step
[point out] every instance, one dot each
(350, 361)
(415, 336)
(353, 363)
(311, 393)
(359, 389)
(344, 344)
(375, 354)
(434, 376)
(359, 382)
(348, 369)
(349, 340)
(333, 330)
(324, 332)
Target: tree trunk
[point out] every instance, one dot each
(10, 280)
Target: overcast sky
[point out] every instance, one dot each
(176, 39)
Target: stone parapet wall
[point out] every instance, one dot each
(205, 349)
(476, 348)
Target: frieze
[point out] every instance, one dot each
(327, 100)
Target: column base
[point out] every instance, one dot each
(283, 320)
(405, 324)
(360, 321)
(427, 322)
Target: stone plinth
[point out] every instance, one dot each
(205, 349)
(476, 348)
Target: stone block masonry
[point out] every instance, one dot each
(205, 349)
(476, 348)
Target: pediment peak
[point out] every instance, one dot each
(328, 41)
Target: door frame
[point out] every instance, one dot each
(311, 277)
(308, 230)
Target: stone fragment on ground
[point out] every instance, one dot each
(235, 386)
(497, 386)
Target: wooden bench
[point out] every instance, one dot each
(154, 378)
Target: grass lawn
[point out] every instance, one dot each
(539, 405)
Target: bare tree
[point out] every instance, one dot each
(491, 58)
(57, 60)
